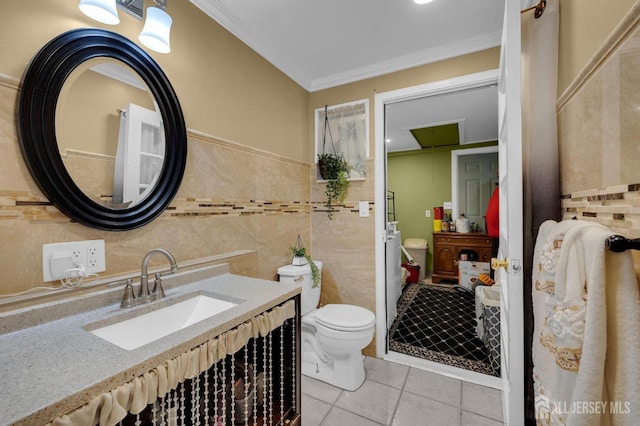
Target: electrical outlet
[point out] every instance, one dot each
(95, 256)
(58, 258)
(427, 213)
(76, 256)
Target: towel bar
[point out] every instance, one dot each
(618, 243)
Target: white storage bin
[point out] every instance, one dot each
(488, 322)
(417, 248)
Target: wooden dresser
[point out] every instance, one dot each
(446, 249)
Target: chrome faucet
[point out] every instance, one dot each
(144, 295)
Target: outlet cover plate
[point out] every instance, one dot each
(90, 254)
(363, 208)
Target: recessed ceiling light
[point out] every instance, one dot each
(422, 1)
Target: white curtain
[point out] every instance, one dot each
(346, 134)
(540, 169)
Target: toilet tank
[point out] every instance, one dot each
(301, 275)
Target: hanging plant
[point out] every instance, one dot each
(299, 251)
(334, 169)
(336, 190)
(315, 272)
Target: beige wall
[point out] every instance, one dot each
(584, 27)
(598, 117)
(94, 130)
(220, 81)
(598, 128)
(346, 243)
(248, 182)
(232, 198)
(246, 185)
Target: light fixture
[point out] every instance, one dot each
(101, 10)
(157, 26)
(422, 1)
(155, 33)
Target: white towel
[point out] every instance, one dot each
(586, 342)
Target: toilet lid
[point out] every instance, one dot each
(345, 317)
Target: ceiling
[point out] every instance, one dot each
(325, 43)
(475, 111)
(322, 44)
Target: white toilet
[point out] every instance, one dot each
(333, 336)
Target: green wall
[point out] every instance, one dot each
(421, 180)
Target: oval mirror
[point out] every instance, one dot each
(101, 130)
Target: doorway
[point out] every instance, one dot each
(479, 80)
(474, 175)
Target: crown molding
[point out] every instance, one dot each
(217, 11)
(409, 61)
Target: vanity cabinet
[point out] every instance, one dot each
(241, 365)
(446, 249)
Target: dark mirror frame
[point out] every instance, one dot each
(41, 87)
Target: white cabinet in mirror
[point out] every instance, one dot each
(110, 133)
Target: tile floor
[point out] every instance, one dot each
(397, 395)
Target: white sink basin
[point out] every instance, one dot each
(138, 331)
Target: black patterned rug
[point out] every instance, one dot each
(437, 323)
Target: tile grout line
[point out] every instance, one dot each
(461, 401)
(395, 410)
(403, 390)
(349, 411)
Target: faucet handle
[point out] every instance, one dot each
(129, 299)
(158, 291)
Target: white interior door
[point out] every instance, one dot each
(476, 182)
(510, 168)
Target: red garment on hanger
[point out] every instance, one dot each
(492, 216)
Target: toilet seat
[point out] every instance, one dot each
(342, 317)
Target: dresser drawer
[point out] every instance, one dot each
(446, 249)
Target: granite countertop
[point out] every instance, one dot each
(56, 365)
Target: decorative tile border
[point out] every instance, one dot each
(16, 205)
(617, 207)
(348, 207)
(192, 207)
(20, 206)
(23, 206)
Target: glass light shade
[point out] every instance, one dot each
(155, 33)
(101, 10)
(422, 1)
